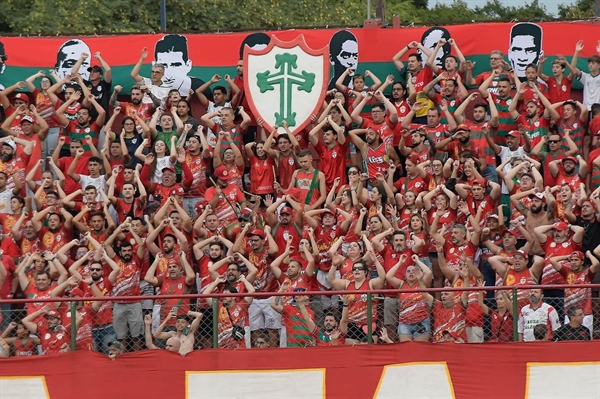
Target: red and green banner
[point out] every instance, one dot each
(191, 59)
(411, 370)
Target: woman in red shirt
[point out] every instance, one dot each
(501, 318)
(261, 169)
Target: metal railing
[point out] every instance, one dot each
(210, 328)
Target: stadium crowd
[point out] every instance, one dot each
(450, 180)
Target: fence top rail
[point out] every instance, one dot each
(310, 293)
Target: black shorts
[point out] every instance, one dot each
(358, 332)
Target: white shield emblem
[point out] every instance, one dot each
(286, 81)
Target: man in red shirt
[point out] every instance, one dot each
(20, 99)
(59, 230)
(559, 85)
(381, 123)
(127, 315)
(332, 151)
(169, 178)
(224, 197)
(54, 336)
(174, 282)
(261, 252)
(81, 167)
(458, 246)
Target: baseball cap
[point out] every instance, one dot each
(539, 196)
(329, 211)
(514, 133)
(509, 231)
(116, 344)
(169, 168)
(95, 68)
(22, 97)
(76, 292)
(493, 216)
(27, 118)
(572, 159)
(578, 255)
(258, 232)
(522, 253)
(222, 173)
(286, 209)
(478, 182)
(11, 144)
(561, 226)
(178, 191)
(463, 127)
(53, 313)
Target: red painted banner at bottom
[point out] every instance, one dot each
(411, 370)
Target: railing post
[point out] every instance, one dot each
(515, 306)
(215, 306)
(370, 318)
(73, 325)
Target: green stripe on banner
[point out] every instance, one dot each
(121, 74)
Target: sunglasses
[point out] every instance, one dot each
(352, 172)
(553, 141)
(96, 270)
(354, 269)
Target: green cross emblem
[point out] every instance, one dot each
(286, 78)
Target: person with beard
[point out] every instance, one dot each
(576, 126)
(83, 126)
(454, 148)
(127, 315)
(481, 120)
(573, 172)
(560, 243)
(297, 332)
(537, 312)
(333, 333)
(502, 100)
(223, 196)
(100, 224)
(538, 208)
(173, 240)
(59, 228)
(453, 93)
(290, 222)
(27, 131)
(173, 282)
(511, 264)
(395, 253)
(54, 336)
(233, 312)
(571, 268)
(554, 152)
(137, 106)
(26, 238)
(207, 224)
(537, 116)
(261, 252)
(589, 220)
(103, 332)
(435, 130)
(294, 277)
(383, 114)
(13, 161)
(168, 182)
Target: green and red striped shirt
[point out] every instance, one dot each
(576, 132)
(297, 332)
(506, 122)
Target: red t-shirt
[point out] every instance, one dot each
(332, 162)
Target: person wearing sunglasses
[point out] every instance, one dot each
(553, 151)
(357, 304)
